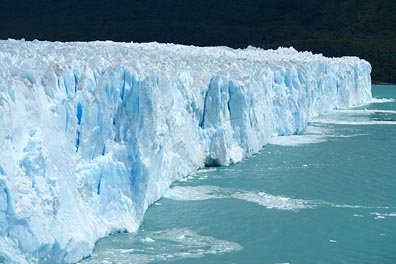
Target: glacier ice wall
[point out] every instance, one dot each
(93, 133)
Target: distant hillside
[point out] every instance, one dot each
(333, 27)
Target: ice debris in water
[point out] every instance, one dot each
(93, 133)
(174, 244)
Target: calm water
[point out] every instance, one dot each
(328, 196)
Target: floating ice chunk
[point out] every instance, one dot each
(148, 240)
(175, 244)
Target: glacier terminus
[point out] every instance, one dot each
(91, 134)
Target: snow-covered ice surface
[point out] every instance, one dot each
(93, 133)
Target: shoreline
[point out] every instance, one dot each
(382, 83)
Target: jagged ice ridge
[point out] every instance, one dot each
(93, 133)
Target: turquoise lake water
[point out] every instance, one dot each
(328, 196)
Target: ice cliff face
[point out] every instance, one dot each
(92, 133)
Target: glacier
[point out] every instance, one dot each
(93, 133)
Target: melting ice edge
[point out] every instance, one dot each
(93, 133)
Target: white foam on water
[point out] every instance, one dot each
(358, 206)
(349, 136)
(169, 244)
(117, 256)
(123, 251)
(364, 111)
(297, 140)
(382, 100)
(312, 135)
(206, 170)
(358, 215)
(356, 117)
(199, 193)
(195, 193)
(383, 215)
(352, 122)
(202, 174)
(148, 240)
(315, 133)
(275, 202)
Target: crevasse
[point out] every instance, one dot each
(93, 133)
